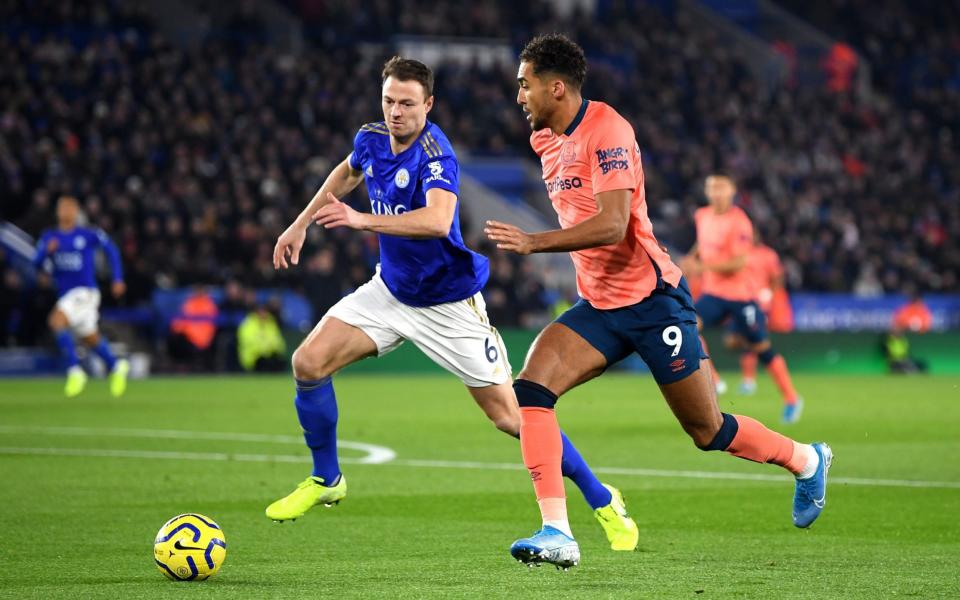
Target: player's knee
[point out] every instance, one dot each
(310, 364)
(766, 356)
(708, 437)
(56, 321)
(533, 395)
(509, 424)
(702, 436)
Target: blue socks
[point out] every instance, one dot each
(103, 351)
(317, 410)
(67, 348)
(575, 468)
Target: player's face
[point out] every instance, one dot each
(404, 107)
(534, 97)
(67, 211)
(719, 192)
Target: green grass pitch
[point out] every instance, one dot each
(87, 482)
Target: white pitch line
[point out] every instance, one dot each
(374, 454)
(453, 464)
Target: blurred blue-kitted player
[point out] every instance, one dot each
(70, 251)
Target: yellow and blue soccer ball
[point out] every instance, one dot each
(189, 547)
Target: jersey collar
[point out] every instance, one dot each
(423, 132)
(576, 120)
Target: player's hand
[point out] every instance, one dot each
(289, 244)
(52, 245)
(509, 237)
(338, 214)
(118, 289)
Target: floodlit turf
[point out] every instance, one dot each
(81, 525)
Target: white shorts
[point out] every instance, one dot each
(82, 308)
(455, 335)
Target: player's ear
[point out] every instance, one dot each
(428, 104)
(559, 88)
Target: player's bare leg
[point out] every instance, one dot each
(718, 383)
(499, 403)
(558, 360)
(331, 346)
(693, 402)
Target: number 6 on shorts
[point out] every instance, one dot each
(673, 337)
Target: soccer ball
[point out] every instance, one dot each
(189, 547)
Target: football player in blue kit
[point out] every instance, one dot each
(70, 250)
(426, 290)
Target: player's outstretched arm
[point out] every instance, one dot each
(46, 246)
(432, 221)
(117, 286)
(341, 181)
(608, 226)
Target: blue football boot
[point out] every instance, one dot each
(791, 412)
(549, 545)
(811, 493)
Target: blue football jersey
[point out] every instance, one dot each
(419, 272)
(73, 258)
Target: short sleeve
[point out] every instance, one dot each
(101, 237)
(776, 267)
(440, 172)
(359, 154)
(741, 236)
(612, 157)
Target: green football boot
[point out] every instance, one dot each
(76, 381)
(308, 494)
(118, 377)
(621, 530)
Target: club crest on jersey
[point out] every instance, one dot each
(79, 243)
(402, 178)
(568, 153)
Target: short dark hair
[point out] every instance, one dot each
(407, 69)
(556, 53)
(724, 174)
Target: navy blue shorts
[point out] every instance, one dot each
(746, 318)
(661, 328)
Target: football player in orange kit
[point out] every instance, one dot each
(724, 241)
(634, 299)
(766, 270)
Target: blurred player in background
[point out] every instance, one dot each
(913, 317)
(724, 242)
(634, 299)
(70, 250)
(426, 290)
(766, 271)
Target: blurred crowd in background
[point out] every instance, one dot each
(195, 160)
